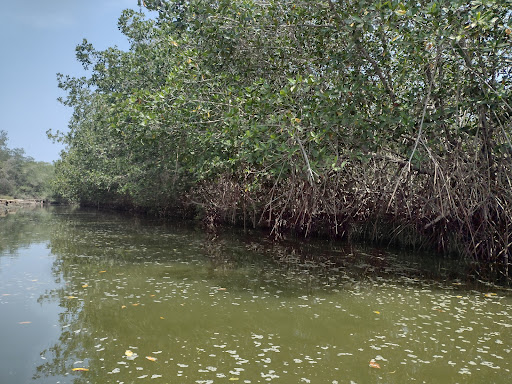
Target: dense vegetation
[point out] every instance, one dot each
(20, 176)
(383, 119)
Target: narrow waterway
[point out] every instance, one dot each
(92, 297)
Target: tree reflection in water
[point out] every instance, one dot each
(210, 308)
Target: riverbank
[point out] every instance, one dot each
(11, 205)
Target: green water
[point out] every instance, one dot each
(134, 300)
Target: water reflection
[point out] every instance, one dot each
(24, 227)
(143, 300)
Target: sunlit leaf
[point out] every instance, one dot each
(373, 364)
(25, 322)
(151, 358)
(80, 369)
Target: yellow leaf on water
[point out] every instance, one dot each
(373, 364)
(128, 353)
(234, 378)
(102, 271)
(80, 369)
(377, 312)
(85, 285)
(162, 317)
(123, 306)
(222, 289)
(151, 358)
(490, 294)
(401, 12)
(71, 297)
(136, 304)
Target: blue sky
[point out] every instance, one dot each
(37, 40)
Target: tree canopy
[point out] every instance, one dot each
(21, 176)
(314, 117)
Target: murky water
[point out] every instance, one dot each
(88, 297)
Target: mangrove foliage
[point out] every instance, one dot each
(388, 120)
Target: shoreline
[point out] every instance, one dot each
(21, 202)
(11, 205)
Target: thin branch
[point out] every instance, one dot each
(503, 130)
(468, 66)
(311, 178)
(385, 81)
(418, 137)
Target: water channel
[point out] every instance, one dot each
(92, 297)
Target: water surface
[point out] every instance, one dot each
(90, 297)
